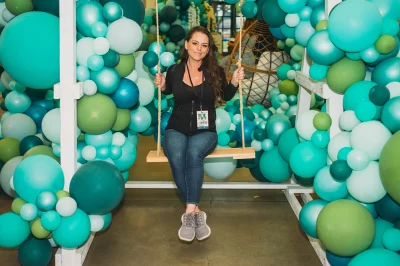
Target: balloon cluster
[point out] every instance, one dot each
(44, 215)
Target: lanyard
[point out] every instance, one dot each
(202, 87)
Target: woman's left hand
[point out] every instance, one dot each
(237, 76)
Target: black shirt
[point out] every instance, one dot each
(187, 100)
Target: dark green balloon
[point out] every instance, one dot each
(98, 187)
(168, 14)
(248, 114)
(48, 6)
(379, 95)
(305, 182)
(340, 170)
(256, 173)
(28, 143)
(132, 9)
(176, 33)
(34, 252)
(111, 59)
(251, 163)
(259, 134)
(153, 112)
(3, 106)
(232, 135)
(273, 14)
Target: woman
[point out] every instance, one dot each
(197, 84)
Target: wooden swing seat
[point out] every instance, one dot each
(235, 153)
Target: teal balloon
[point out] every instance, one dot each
(74, 230)
(48, 6)
(273, 167)
(390, 239)
(30, 49)
(97, 187)
(283, 70)
(327, 188)
(387, 71)
(276, 126)
(365, 111)
(379, 95)
(95, 62)
(306, 160)
(13, 230)
(150, 59)
(318, 72)
(309, 214)
(256, 173)
(370, 54)
(273, 13)
(287, 142)
(388, 8)
(46, 201)
(391, 114)
(336, 260)
(34, 252)
(36, 174)
(321, 49)
(164, 26)
(350, 35)
(17, 102)
(107, 80)
(390, 27)
(292, 6)
(128, 156)
(285, 32)
(381, 226)
(112, 11)
(132, 9)
(357, 93)
(249, 127)
(343, 153)
(376, 256)
(304, 30)
(249, 9)
(388, 209)
(317, 15)
(99, 29)
(111, 58)
(353, 56)
(320, 139)
(87, 14)
(29, 142)
(340, 170)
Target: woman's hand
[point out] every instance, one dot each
(159, 81)
(237, 76)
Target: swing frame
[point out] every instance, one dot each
(69, 91)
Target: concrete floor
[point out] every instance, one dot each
(248, 228)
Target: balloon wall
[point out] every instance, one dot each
(355, 51)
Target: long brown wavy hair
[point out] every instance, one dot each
(209, 65)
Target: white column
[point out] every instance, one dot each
(304, 96)
(67, 91)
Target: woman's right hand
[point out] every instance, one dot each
(159, 81)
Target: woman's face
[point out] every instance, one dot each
(197, 47)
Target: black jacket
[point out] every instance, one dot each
(187, 103)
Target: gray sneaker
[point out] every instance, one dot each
(203, 231)
(187, 230)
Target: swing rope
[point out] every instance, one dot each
(159, 89)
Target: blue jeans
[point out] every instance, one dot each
(185, 155)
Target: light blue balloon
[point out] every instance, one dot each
(13, 230)
(314, 3)
(322, 51)
(95, 62)
(115, 152)
(46, 200)
(127, 158)
(317, 15)
(101, 140)
(320, 139)
(140, 119)
(327, 188)
(82, 73)
(36, 174)
(292, 6)
(154, 47)
(99, 29)
(107, 80)
(305, 13)
(376, 256)
(388, 8)
(17, 102)
(30, 49)
(87, 14)
(80, 146)
(167, 59)
(102, 153)
(309, 214)
(303, 32)
(387, 71)
(50, 220)
(73, 231)
(107, 218)
(29, 212)
(370, 54)
(285, 32)
(360, 30)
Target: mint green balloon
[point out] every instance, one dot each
(87, 14)
(287, 142)
(29, 49)
(306, 160)
(390, 239)
(273, 167)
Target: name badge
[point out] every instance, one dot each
(202, 119)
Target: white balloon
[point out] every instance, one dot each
(371, 137)
(6, 174)
(124, 36)
(51, 125)
(53, 243)
(84, 49)
(101, 46)
(304, 124)
(292, 20)
(394, 89)
(7, 15)
(337, 142)
(146, 90)
(118, 139)
(2, 7)
(141, 69)
(220, 168)
(132, 76)
(348, 120)
(89, 87)
(96, 223)
(66, 206)
(89, 153)
(366, 185)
